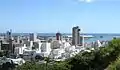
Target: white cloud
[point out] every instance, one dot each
(81, 0)
(86, 1)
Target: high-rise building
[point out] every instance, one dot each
(33, 37)
(9, 45)
(8, 35)
(75, 36)
(58, 36)
(81, 40)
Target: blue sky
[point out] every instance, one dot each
(98, 16)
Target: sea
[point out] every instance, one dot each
(101, 37)
(96, 36)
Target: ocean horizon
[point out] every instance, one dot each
(96, 36)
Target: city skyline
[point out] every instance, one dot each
(51, 16)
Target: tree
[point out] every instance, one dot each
(63, 65)
(28, 66)
(98, 59)
(114, 65)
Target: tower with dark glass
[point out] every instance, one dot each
(76, 36)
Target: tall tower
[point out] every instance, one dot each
(8, 36)
(9, 40)
(75, 36)
(58, 36)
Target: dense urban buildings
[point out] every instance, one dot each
(58, 47)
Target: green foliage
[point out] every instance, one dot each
(115, 65)
(34, 66)
(60, 66)
(47, 59)
(96, 60)
(84, 61)
(28, 66)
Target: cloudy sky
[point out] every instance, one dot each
(92, 16)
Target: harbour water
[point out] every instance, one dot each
(96, 36)
(101, 37)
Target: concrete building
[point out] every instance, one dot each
(45, 49)
(75, 36)
(55, 44)
(32, 36)
(17, 39)
(81, 40)
(9, 42)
